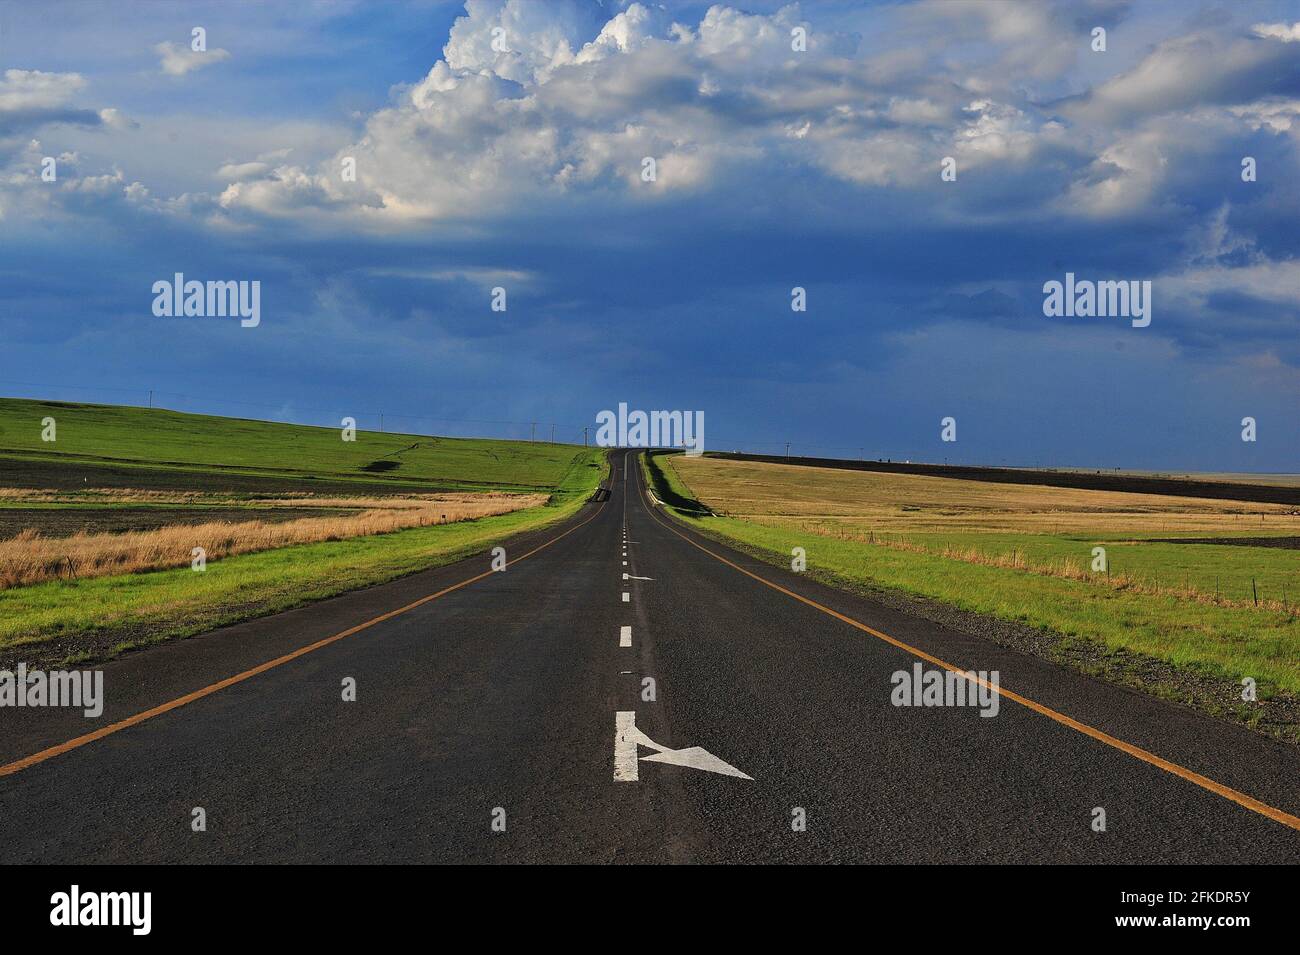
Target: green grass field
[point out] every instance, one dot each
(238, 463)
(1236, 573)
(1219, 642)
(155, 438)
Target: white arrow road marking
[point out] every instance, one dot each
(693, 757)
(635, 577)
(627, 738)
(625, 637)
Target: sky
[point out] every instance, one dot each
(521, 166)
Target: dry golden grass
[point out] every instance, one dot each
(789, 495)
(30, 558)
(884, 509)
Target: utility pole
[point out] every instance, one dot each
(584, 437)
(787, 450)
(552, 434)
(381, 421)
(150, 397)
(534, 437)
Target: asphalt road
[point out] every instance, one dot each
(499, 702)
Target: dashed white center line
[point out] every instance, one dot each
(625, 637)
(627, 597)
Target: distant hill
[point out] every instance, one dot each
(112, 445)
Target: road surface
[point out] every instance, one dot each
(506, 717)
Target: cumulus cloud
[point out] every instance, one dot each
(260, 167)
(34, 90)
(626, 31)
(240, 171)
(1286, 32)
(1025, 41)
(509, 111)
(114, 118)
(1199, 69)
(285, 190)
(562, 103)
(29, 101)
(520, 40)
(557, 105)
(175, 59)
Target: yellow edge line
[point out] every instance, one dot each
(27, 761)
(1227, 792)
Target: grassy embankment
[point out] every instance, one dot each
(246, 463)
(221, 450)
(1188, 605)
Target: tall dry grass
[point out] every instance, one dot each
(906, 502)
(30, 558)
